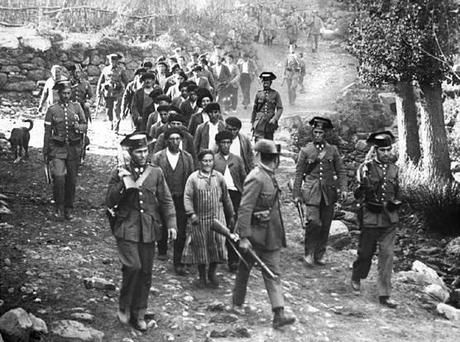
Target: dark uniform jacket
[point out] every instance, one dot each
(321, 178)
(259, 214)
(266, 104)
(235, 165)
(138, 111)
(64, 125)
(201, 137)
(81, 91)
(141, 213)
(112, 81)
(383, 188)
(160, 158)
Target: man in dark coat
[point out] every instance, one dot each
(232, 167)
(131, 88)
(378, 195)
(140, 201)
(260, 227)
(241, 145)
(65, 123)
(320, 169)
(204, 137)
(177, 165)
(190, 106)
(267, 109)
(143, 103)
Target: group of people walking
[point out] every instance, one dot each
(188, 170)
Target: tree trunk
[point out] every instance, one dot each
(406, 111)
(434, 138)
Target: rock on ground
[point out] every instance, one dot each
(438, 292)
(453, 248)
(76, 330)
(449, 311)
(16, 325)
(38, 325)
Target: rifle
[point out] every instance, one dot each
(223, 230)
(98, 104)
(83, 148)
(232, 238)
(47, 171)
(301, 214)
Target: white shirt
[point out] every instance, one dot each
(235, 147)
(205, 117)
(213, 130)
(218, 69)
(245, 67)
(228, 178)
(173, 159)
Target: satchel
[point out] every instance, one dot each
(261, 216)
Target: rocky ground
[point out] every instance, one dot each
(47, 267)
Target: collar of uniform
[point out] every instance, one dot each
(320, 146)
(266, 168)
(137, 168)
(380, 164)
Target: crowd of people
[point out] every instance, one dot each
(186, 170)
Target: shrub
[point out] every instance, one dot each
(434, 200)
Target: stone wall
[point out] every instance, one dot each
(22, 69)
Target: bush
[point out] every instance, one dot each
(435, 201)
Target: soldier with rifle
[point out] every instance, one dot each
(261, 228)
(319, 176)
(377, 193)
(267, 109)
(140, 201)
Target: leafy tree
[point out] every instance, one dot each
(407, 41)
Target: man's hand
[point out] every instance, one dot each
(194, 220)
(123, 173)
(273, 121)
(244, 245)
(172, 233)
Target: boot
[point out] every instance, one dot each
(212, 277)
(309, 260)
(321, 261)
(279, 319)
(123, 316)
(201, 281)
(139, 322)
(385, 300)
(356, 285)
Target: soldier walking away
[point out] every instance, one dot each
(177, 166)
(260, 227)
(316, 27)
(111, 85)
(267, 109)
(319, 175)
(140, 202)
(292, 70)
(64, 125)
(378, 194)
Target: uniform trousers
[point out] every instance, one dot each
(137, 261)
(235, 197)
(245, 83)
(64, 173)
(319, 220)
(113, 106)
(368, 241)
(273, 287)
(292, 81)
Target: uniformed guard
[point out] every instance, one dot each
(267, 109)
(319, 176)
(140, 203)
(64, 125)
(111, 86)
(261, 228)
(81, 90)
(377, 193)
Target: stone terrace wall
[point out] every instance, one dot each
(23, 68)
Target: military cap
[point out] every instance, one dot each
(177, 118)
(139, 71)
(212, 106)
(267, 76)
(136, 140)
(147, 65)
(148, 76)
(163, 108)
(381, 139)
(233, 121)
(175, 109)
(321, 123)
(162, 97)
(173, 130)
(266, 146)
(224, 135)
(61, 85)
(114, 56)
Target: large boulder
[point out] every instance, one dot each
(438, 292)
(38, 62)
(449, 311)
(3, 79)
(16, 325)
(38, 325)
(453, 248)
(76, 330)
(36, 75)
(11, 68)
